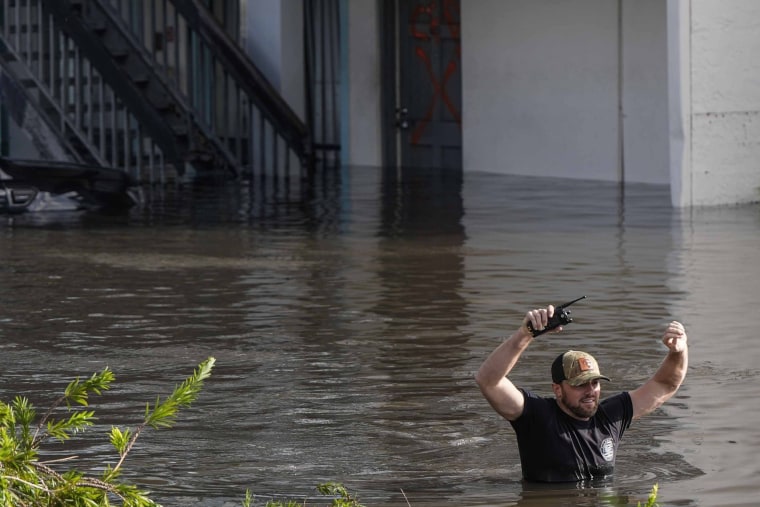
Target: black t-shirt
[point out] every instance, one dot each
(555, 447)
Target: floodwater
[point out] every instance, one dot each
(348, 316)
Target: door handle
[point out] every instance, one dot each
(402, 121)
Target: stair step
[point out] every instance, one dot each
(28, 83)
(179, 128)
(163, 104)
(140, 78)
(118, 53)
(99, 26)
(77, 5)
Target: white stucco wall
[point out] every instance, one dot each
(272, 35)
(261, 34)
(725, 107)
(361, 122)
(644, 90)
(539, 87)
(542, 89)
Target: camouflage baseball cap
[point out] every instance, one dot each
(576, 367)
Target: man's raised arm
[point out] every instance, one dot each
(668, 378)
(492, 379)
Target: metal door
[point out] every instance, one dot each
(428, 109)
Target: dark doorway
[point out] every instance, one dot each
(422, 83)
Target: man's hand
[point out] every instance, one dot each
(538, 319)
(674, 337)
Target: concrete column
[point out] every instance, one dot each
(679, 100)
(361, 124)
(725, 101)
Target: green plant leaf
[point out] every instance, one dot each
(25, 481)
(78, 392)
(120, 439)
(162, 414)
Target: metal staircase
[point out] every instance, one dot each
(152, 88)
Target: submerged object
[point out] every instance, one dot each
(44, 185)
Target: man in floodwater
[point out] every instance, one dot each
(573, 436)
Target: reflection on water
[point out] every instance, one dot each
(348, 317)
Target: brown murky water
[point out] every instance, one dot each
(348, 319)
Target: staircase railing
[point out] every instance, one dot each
(209, 74)
(146, 86)
(75, 107)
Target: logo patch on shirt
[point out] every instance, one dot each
(608, 449)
